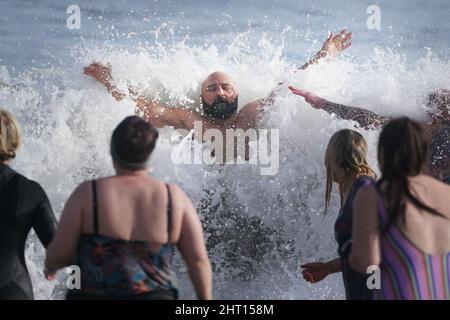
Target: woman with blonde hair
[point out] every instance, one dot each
(23, 205)
(346, 165)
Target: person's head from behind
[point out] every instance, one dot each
(132, 143)
(10, 136)
(219, 96)
(402, 153)
(402, 149)
(345, 159)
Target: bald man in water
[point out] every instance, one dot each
(219, 96)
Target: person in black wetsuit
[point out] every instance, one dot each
(23, 205)
(346, 164)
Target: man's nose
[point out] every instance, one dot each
(220, 91)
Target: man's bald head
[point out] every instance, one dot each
(218, 77)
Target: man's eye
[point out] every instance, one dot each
(227, 87)
(211, 88)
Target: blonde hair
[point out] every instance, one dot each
(347, 152)
(10, 135)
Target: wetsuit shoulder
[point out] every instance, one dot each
(29, 189)
(34, 200)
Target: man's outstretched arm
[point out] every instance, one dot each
(153, 112)
(332, 46)
(365, 118)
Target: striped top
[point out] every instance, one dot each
(408, 273)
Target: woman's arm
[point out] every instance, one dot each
(366, 245)
(44, 221)
(316, 271)
(192, 248)
(62, 249)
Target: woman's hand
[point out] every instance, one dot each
(315, 271)
(311, 98)
(50, 273)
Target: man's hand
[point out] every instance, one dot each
(315, 271)
(311, 98)
(331, 47)
(335, 44)
(99, 72)
(102, 73)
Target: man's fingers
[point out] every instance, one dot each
(347, 36)
(294, 90)
(89, 71)
(341, 35)
(348, 45)
(330, 36)
(297, 91)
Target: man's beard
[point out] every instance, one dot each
(220, 109)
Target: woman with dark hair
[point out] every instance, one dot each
(402, 224)
(122, 230)
(23, 205)
(346, 165)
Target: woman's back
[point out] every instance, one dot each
(134, 208)
(416, 254)
(127, 245)
(430, 233)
